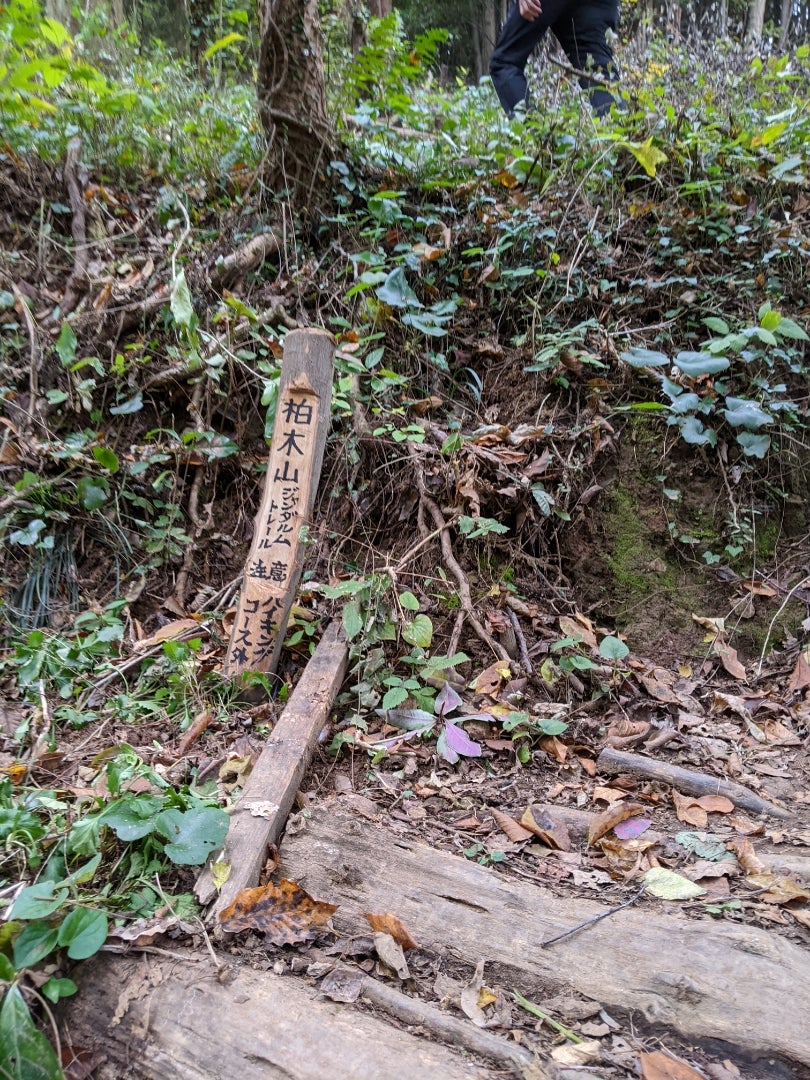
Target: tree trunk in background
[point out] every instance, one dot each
(378, 9)
(292, 97)
(784, 22)
(755, 22)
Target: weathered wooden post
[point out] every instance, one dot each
(268, 589)
(274, 564)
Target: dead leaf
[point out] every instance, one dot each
(581, 1053)
(604, 822)
(714, 626)
(780, 890)
(386, 923)
(609, 795)
(715, 804)
(144, 931)
(689, 811)
(492, 678)
(285, 913)
(553, 833)
(661, 1066)
(169, 632)
(343, 983)
(391, 954)
(728, 658)
(746, 856)
(470, 995)
(800, 679)
(79, 1063)
(513, 830)
(578, 630)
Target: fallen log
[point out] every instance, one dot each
(735, 986)
(686, 780)
(261, 813)
(152, 1017)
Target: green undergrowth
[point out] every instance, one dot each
(639, 282)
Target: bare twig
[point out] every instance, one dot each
(452, 565)
(799, 585)
(77, 282)
(528, 667)
(33, 369)
(597, 918)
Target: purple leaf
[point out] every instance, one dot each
(459, 741)
(446, 700)
(631, 827)
(445, 751)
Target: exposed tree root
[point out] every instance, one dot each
(78, 281)
(467, 613)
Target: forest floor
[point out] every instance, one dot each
(601, 633)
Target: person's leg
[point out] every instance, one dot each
(582, 32)
(517, 40)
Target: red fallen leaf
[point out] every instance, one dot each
(746, 856)
(514, 831)
(542, 824)
(386, 923)
(661, 1066)
(285, 913)
(610, 818)
(632, 828)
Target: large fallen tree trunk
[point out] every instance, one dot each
(158, 1016)
(724, 984)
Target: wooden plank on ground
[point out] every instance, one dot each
(261, 813)
(155, 1016)
(706, 980)
(293, 469)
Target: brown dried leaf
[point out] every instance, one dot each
(285, 913)
(609, 795)
(689, 810)
(553, 833)
(144, 931)
(800, 679)
(661, 1066)
(343, 983)
(171, 630)
(604, 822)
(746, 856)
(386, 923)
(728, 658)
(513, 829)
(492, 678)
(391, 954)
(577, 629)
(715, 804)
(780, 890)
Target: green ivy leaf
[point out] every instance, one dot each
(126, 408)
(38, 901)
(613, 648)
(83, 932)
(25, 1053)
(29, 535)
(55, 989)
(106, 458)
(639, 357)
(33, 944)
(181, 305)
(352, 619)
(7, 972)
(550, 726)
(409, 601)
(419, 632)
(695, 364)
(746, 414)
(396, 292)
(66, 344)
(754, 445)
(193, 834)
(93, 492)
(132, 817)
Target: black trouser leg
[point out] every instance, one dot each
(582, 34)
(580, 28)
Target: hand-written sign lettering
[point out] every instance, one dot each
(274, 561)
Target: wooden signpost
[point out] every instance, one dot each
(293, 470)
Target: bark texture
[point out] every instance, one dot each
(292, 98)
